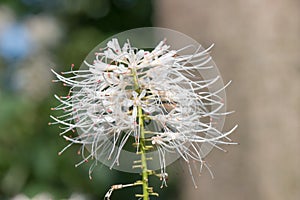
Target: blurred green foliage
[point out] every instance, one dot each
(29, 163)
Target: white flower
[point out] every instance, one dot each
(104, 100)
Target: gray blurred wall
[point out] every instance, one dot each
(258, 47)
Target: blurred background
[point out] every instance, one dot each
(257, 46)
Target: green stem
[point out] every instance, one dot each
(142, 144)
(143, 156)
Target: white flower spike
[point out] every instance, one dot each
(127, 88)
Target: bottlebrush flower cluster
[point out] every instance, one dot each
(124, 83)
